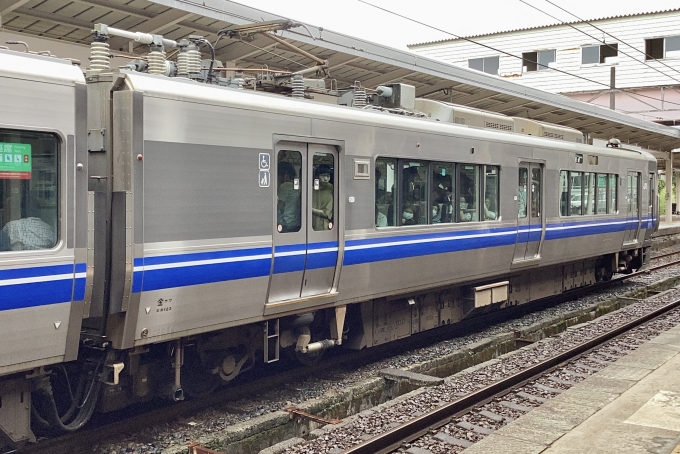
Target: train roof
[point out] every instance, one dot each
(191, 91)
(39, 68)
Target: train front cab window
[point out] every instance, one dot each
(29, 175)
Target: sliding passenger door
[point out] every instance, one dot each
(529, 211)
(632, 208)
(305, 236)
(322, 233)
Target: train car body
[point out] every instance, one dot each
(169, 194)
(42, 291)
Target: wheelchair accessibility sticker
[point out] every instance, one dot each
(264, 177)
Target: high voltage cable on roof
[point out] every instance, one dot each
(595, 38)
(504, 52)
(647, 56)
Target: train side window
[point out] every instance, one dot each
(589, 193)
(443, 200)
(575, 194)
(468, 190)
(385, 191)
(414, 189)
(491, 207)
(601, 201)
(288, 214)
(29, 190)
(612, 189)
(564, 193)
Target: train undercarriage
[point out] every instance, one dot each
(62, 398)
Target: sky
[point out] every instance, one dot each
(459, 17)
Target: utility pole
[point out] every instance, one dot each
(612, 86)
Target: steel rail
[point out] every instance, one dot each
(65, 443)
(394, 438)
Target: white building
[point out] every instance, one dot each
(642, 50)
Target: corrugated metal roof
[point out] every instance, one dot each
(350, 59)
(566, 23)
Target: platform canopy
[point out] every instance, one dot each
(350, 59)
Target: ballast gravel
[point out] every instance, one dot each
(176, 434)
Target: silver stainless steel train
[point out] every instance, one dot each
(161, 235)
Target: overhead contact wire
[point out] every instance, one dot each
(504, 52)
(597, 39)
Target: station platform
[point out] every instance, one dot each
(632, 406)
(669, 228)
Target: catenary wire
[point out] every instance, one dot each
(597, 39)
(647, 56)
(504, 52)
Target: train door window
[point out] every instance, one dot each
(468, 193)
(536, 191)
(564, 193)
(29, 190)
(601, 201)
(323, 192)
(443, 199)
(589, 193)
(522, 192)
(289, 191)
(385, 192)
(576, 194)
(612, 208)
(633, 191)
(491, 207)
(414, 184)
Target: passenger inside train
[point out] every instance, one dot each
(489, 215)
(288, 206)
(322, 199)
(27, 232)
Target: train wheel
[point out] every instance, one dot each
(197, 379)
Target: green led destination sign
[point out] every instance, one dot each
(15, 161)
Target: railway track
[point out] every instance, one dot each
(84, 439)
(466, 413)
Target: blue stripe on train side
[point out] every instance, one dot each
(180, 270)
(35, 294)
(200, 268)
(322, 255)
(289, 258)
(204, 274)
(46, 285)
(363, 251)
